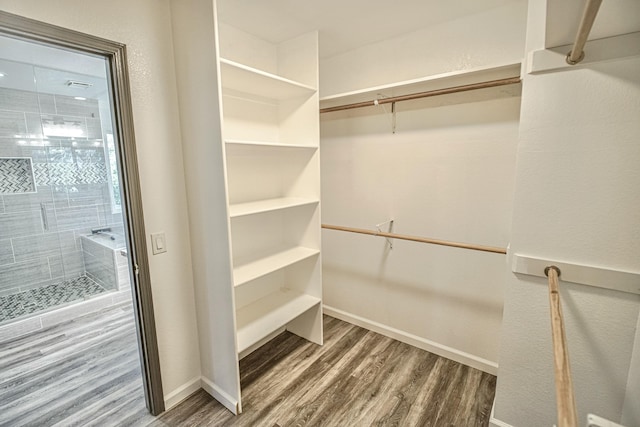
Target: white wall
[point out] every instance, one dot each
(447, 173)
(576, 200)
(145, 27)
(484, 39)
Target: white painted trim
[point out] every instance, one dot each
(181, 393)
(601, 50)
(217, 393)
(416, 341)
(617, 280)
(494, 422)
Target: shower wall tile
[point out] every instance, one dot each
(102, 270)
(94, 249)
(73, 263)
(12, 123)
(89, 194)
(34, 125)
(25, 273)
(67, 105)
(27, 202)
(16, 224)
(56, 267)
(19, 100)
(76, 218)
(94, 129)
(60, 196)
(33, 149)
(47, 103)
(72, 182)
(43, 245)
(69, 266)
(6, 252)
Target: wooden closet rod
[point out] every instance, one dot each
(416, 239)
(437, 92)
(565, 400)
(588, 17)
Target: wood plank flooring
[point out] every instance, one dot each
(86, 373)
(358, 378)
(78, 373)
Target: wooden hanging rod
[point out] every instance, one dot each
(416, 239)
(437, 92)
(565, 400)
(588, 17)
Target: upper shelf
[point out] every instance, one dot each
(246, 79)
(239, 143)
(434, 82)
(269, 205)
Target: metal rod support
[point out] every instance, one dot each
(586, 23)
(437, 92)
(417, 239)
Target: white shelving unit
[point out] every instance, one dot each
(270, 134)
(251, 147)
(270, 313)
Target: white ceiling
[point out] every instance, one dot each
(344, 24)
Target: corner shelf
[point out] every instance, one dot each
(269, 205)
(243, 78)
(246, 271)
(266, 315)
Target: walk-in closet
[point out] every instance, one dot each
(356, 213)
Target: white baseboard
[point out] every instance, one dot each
(222, 397)
(494, 422)
(416, 341)
(181, 393)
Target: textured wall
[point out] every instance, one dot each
(447, 173)
(576, 200)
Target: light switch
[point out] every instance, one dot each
(158, 243)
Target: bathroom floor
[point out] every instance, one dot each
(40, 299)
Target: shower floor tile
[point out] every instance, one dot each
(46, 297)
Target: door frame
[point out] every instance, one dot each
(115, 53)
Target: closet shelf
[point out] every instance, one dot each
(233, 142)
(423, 84)
(266, 315)
(246, 271)
(269, 205)
(250, 80)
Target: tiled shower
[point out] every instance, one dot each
(57, 183)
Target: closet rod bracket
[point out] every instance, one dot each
(389, 230)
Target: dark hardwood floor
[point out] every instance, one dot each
(86, 373)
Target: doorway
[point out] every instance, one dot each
(72, 238)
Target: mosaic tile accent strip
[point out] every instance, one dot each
(40, 299)
(16, 175)
(70, 173)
